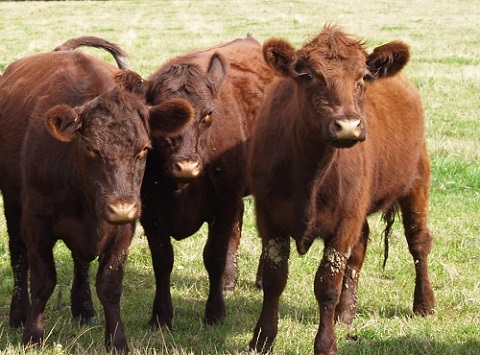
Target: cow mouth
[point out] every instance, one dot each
(344, 143)
(180, 185)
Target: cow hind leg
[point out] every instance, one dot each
(347, 305)
(81, 295)
(414, 209)
(230, 275)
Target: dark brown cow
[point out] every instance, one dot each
(200, 175)
(329, 95)
(74, 135)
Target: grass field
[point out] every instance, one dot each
(445, 42)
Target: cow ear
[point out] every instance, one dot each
(169, 118)
(217, 71)
(132, 82)
(279, 55)
(388, 59)
(62, 122)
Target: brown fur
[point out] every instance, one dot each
(306, 186)
(73, 145)
(225, 87)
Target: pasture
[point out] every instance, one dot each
(445, 65)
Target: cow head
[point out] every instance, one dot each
(332, 73)
(110, 138)
(184, 154)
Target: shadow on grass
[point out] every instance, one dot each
(189, 336)
(411, 346)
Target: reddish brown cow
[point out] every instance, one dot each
(200, 175)
(330, 93)
(74, 135)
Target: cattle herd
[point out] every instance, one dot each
(322, 136)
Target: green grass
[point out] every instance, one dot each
(445, 40)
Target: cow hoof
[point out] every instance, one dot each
(424, 312)
(213, 320)
(16, 324)
(32, 338)
(155, 324)
(261, 346)
(79, 320)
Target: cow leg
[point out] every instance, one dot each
(43, 278)
(19, 262)
(259, 274)
(328, 287)
(225, 226)
(109, 289)
(276, 252)
(347, 305)
(230, 275)
(414, 209)
(162, 260)
(81, 295)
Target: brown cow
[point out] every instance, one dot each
(200, 175)
(330, 93)
(74, 135)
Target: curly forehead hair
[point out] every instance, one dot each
(334, 44)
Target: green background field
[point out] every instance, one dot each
(444, 37)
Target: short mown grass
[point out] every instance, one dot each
(445, 41)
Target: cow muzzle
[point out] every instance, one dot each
(346, 132)
(186, 170)
(122, 212)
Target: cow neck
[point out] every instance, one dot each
(311, 161)
(312, 157)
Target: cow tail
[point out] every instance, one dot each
(118, 53)
(388, 217)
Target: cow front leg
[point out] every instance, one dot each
(43, 278)
(18, 260)
(328, 286)
(275, 254)
(81, 295)
(347, 305)
(161, 250)
(214, 258)
(109, 289)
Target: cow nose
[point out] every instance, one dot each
(122, 212)
(344, 129)
(186, 169)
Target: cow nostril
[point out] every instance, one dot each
(186, 165)
(187, 169)
(347, 129)
(122, 212)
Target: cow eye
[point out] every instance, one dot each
(207, 120)
(306, 76)
(144, 151)
(368, 77)
(90, 152)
